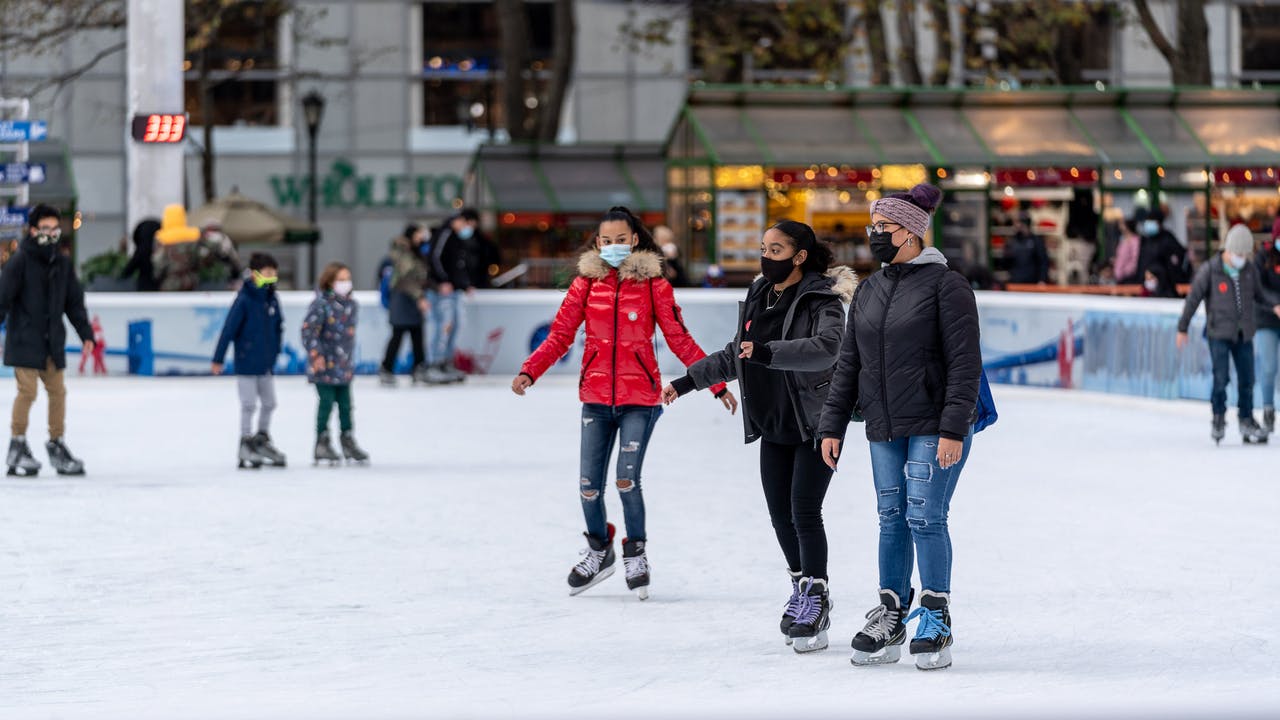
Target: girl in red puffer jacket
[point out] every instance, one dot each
(621, 296)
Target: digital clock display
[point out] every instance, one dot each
(159, 128)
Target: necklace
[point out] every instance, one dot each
(770, 305)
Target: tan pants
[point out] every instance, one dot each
(53, 385)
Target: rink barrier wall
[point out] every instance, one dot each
(1104, 344)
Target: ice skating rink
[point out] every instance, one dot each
(1109, 561)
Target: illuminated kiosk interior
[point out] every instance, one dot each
(1073, 161)
(545, 201)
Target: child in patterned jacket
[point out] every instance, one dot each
(329, 338)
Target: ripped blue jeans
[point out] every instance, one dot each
(913, 496)
(631, 426)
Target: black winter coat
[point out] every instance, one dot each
(36, 290)
(911, 362)
(448, 260)
(807, 352)
(1230, 303)
(1268, 262)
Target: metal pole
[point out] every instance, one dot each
(311, 198)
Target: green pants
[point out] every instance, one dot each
(329, 394)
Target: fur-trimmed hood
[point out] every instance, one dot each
(843, 282)
(842, 278)
(640, 265)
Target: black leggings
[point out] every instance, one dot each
(795, 481)
(393, 348)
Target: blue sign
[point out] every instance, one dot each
(13, 216)
(17, 172)
(16, 131)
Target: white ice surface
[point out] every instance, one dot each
(1108, 561)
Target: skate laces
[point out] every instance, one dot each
(590, 563)
(810, 606)
(794, 604)
(883, 622)
(931, 626)
(636, 565)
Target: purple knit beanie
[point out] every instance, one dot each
(912, 210)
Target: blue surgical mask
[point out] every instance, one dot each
(1236, 261)
(1277, 244)
(466, 232)
(615, 254)
(1150, 227)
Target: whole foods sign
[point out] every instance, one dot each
(345, 189)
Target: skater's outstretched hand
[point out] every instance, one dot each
(1181, 340)
(216, 368)
(521, 383)
(830, 452)
(669, 394)
(729, 401)
(88, 347)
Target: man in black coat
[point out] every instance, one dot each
(1030, 257)
(449, 276)
(37, 287)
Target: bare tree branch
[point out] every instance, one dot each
(1157, 36)
(562, 58)
(908, 67)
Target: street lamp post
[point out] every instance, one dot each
(313, 113)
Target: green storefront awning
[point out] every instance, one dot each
(567, 178)
(787, 126)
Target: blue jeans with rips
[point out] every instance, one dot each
(631, 426)
(444, 327)
(913, 496)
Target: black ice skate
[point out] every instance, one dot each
(1269, 419)
(1219, 429)
(324, 451)
(249, 459)
(351, 451)
(269, 453)
(21, 461)
(596, 563)
(792, 609)
(386, 378)
(932, 643)
(880, 641)
(61, 458)
(636, 565)
(809, 631)
(1252, 432)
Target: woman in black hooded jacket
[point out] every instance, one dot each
(910, 366)
(783, 355)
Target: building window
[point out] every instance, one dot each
(766, 42)
(1260, 44)
(1005, 43)
(462, 61)
(238, 65)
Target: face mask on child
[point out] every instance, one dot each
(260, 281)
(1151, 285)
(342, 287)
(1235, 261)
(615, 254)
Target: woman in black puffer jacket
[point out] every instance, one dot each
(910, 367)
(783, 355)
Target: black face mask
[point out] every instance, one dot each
(882, 247)
(776, 271)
